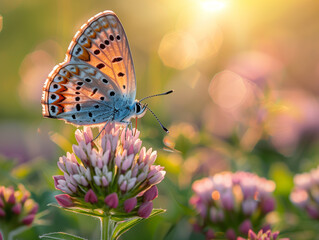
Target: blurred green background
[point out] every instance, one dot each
(246, 81)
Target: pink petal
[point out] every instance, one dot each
(130, 204)
(145, 209)
(150, 194)
(64, 200)
(12, 199)
(16, 209)
(28, 219)
(90, 197)
(112, 200)
(245, 226)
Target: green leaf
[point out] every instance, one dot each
(61, 236)
(122, 227)
(88, 212)
(283, 178)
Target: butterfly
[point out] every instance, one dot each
(96, 82)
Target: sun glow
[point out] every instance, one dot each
(213, 5)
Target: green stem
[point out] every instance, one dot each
(107, 227)
(5, 233)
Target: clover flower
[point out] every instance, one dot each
(17, 209)
(306, 192)
(261, 235)
(115, 176)
(232, 203)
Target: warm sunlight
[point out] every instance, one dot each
(213, 5)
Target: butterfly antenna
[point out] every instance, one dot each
(165, 93)
(164, 128)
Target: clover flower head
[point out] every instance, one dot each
(115, 175)
(16, 207)
(239, 197)
(261, 235)
(305, 194)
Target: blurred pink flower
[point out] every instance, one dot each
(292, 115)
(255, 66)
(16, 208)
(261, 235)
(305, 194)
(243, 196)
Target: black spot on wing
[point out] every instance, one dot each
(117, 59)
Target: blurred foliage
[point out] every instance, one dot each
(245, 75)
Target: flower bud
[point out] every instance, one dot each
(157, 177)
(35, 209)
(275, 235)
(64, 200)
(112, 200)
(227, 200)
(312, 211)
(145, 209)
(249, 206)
(24, 198)
(245, 226)
(90, 197)
(268, 205)
(130, 204)
(210, 234)
(12, 198)
(16, 209)
(150, 194)
(28, 219)
(252, 235)
(230, 234)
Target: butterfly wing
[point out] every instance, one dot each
(97, 75)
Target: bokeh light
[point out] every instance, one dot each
(228, 90)
(178, 50)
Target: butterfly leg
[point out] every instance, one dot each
(101, 131)
(127, 124)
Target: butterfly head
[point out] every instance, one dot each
(139, 109)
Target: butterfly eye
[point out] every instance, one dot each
(137, 108)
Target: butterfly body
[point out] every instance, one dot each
(96, 82)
